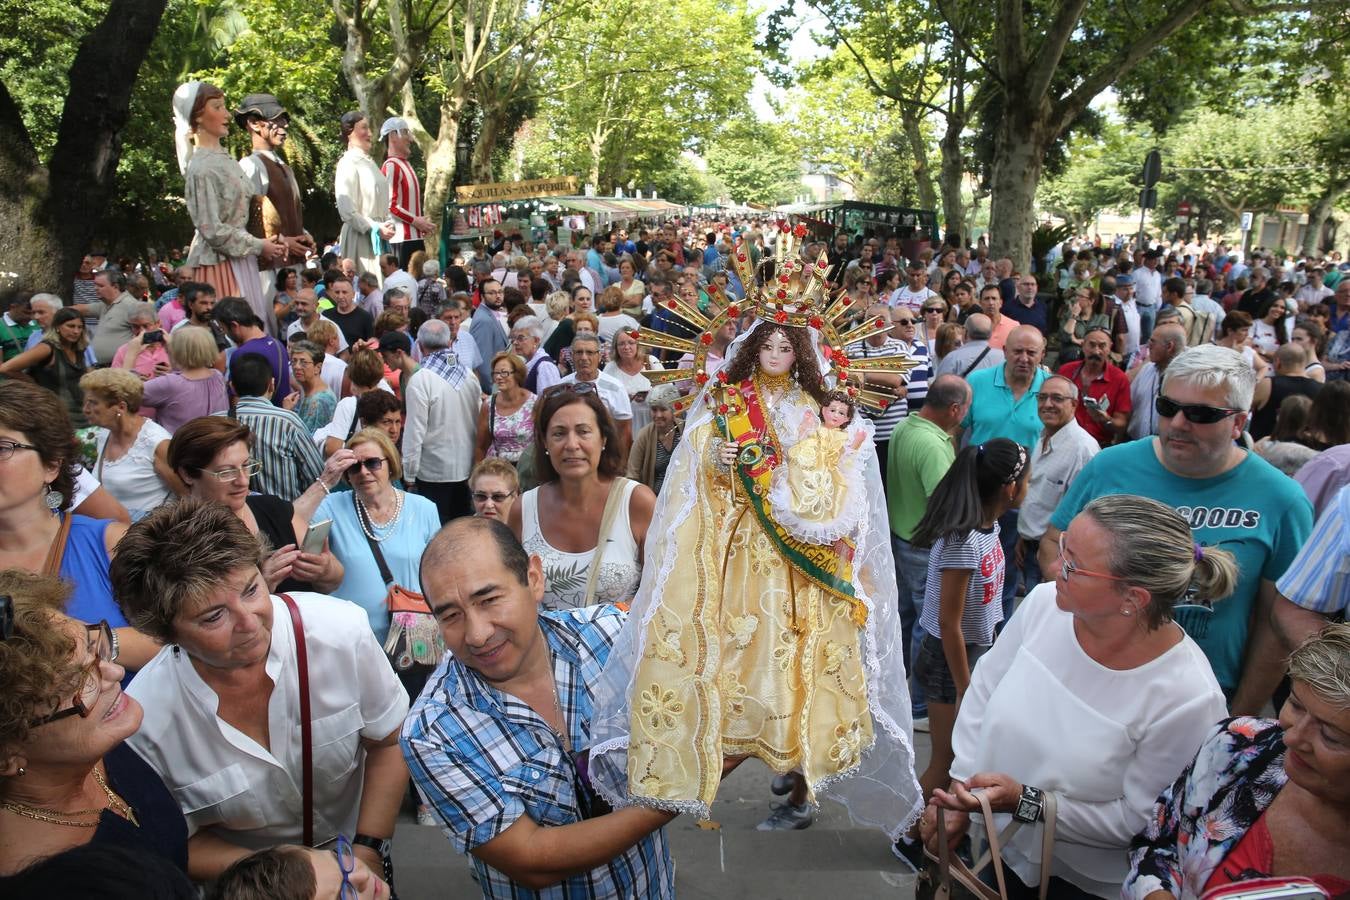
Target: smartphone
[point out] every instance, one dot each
(152, 337)
(315, 536)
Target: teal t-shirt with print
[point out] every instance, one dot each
(1253, 511)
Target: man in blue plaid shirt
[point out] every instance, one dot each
(494, 740)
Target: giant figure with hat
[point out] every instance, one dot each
(405, 192)
(219, 198)
(278, 210)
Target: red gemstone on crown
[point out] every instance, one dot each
(816, 322)
(782, 294)
(780, 317)
(733, 311)
(671, 304)
(723, 409)
(701, 377)
(740, 256)
(706, 338)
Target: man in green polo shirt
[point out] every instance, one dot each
(16, 325)
(920, 452)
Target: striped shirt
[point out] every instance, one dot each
(483, 759)
(281, 442)
(405, 198)
(886, 420)
(919, 375)
(1319, 577)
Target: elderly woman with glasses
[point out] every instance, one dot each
(213, 456)
(146, 359)
(506, 419)
(223, 701)
(132, 452)
(1262, 798)
(1092, 693)
(67, 777)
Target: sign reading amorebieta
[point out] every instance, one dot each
(515, 190)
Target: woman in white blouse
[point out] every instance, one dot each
(132, 451)
(1091, 692)
(222, 699)
(362, 195)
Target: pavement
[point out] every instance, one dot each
(725, 857)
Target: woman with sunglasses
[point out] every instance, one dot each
(66, 777)
(292, 872)
(213, 456)
(376, 512)
(1092, 693)
(494, 485)
(930, 319)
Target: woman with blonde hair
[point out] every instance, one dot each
(132, 460)
(506, 419)
(196, 388)
(612, 317)
(1092, 693)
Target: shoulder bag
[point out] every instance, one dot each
(306, 722)
(413, 635)
(57, 552)
(949, 867)
(617, 491)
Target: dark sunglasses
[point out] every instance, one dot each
(371, 465)
(1195, 413)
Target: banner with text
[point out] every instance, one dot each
(515, 190)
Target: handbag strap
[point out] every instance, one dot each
(366, 528)
(306, 739)
(617, 491)
(57, 551)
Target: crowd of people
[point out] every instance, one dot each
(407, 508)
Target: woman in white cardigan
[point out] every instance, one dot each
(1092, 692)
(362, 194)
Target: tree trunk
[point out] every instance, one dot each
(49, 216)
(1320, 212)
(489, 131)
(952, 173)
(923, 172)
(1019, 149)
(440, 158)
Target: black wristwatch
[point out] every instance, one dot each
(1030, 805)
(379, 845)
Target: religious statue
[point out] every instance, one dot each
(766, 622)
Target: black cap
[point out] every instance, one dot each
(263, 106)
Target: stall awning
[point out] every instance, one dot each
(615, 206)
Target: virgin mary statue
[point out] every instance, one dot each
(765, 624)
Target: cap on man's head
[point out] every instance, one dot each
(262, 106)
(395, 340)
(392, 124)
(1123, 279)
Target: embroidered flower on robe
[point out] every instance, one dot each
(659, 707)
(742, 630)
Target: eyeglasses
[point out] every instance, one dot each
(499, 499)
(577, 387)
(904, 321)
(7, 448)
(505, 374)
(1195, 413)
(933, 311)
(1043, 397)
(250, 468)
(346, 861)
(1067, 569)
(103, 644)
(370, 465)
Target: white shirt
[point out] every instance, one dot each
(441, 427)
(131, 478)
(1105, 741)
(1147, 286)
(1130, 310)
(332, 372)
(220, 777)
(911, 300)
(612, 393)
(1056, 461)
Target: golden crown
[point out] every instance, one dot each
(783, 289)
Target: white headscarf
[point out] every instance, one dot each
(183, 100)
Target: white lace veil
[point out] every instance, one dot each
(881, 792)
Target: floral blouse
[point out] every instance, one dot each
(1200, 818)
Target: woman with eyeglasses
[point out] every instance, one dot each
(293, 872)
(223, 704)
(376, 512)
(494, 485)
(40, 487)
(506, 419)
(213, 456)
(315, 406)
(1093, 693)
(67, 779)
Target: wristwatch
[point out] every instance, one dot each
(1030, 805)
(379, 845)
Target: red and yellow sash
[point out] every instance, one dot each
(741, 418)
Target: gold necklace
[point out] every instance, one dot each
(779, 382)
(61, 817)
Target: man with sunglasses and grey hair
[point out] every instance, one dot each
(1232, 497)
